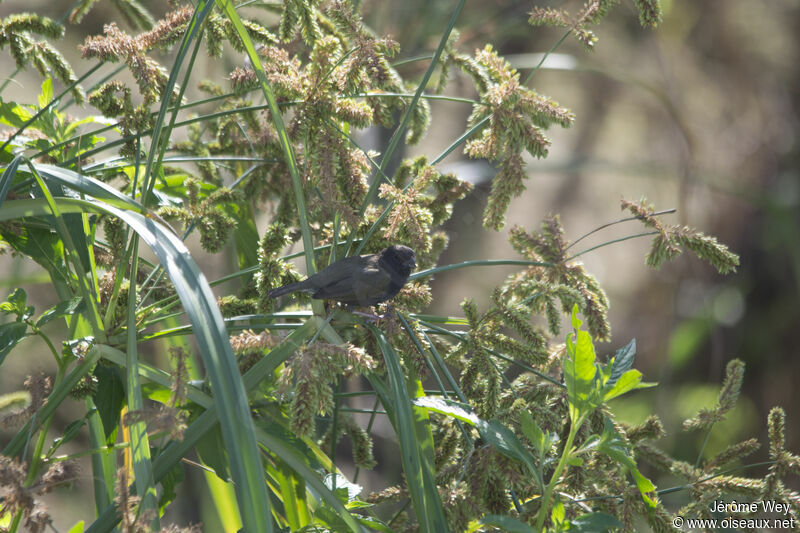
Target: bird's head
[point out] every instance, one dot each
(400, 259)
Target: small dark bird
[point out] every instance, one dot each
(361, 280)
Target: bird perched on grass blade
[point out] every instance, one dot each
(361, 280)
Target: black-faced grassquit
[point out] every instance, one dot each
(361, 280)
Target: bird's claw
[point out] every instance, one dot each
(372, 318)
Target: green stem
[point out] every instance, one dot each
(586, 251)
(479, 262)
(562, 463)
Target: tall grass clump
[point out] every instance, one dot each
(499, 416)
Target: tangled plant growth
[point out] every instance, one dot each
(499, 439)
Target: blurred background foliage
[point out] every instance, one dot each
(701, 114)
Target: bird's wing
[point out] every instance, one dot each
(351, 280)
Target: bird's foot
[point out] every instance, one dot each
(371, 317)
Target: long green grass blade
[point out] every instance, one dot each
(283, 136)
(415, 441)
(212, 339)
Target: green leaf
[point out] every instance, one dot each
(534, 433)
(630, 380)
(109, 397)
(622, 362)
(168, 484)
(63, 308)
(41, 245)
(594, 523)
(70, 432)
(493, 432)
(416, 465)
(211, 450)
(211, 335)
(451, 408)
(612, 445)
(47, 93)
(13, 114)
(8, 177)
(10, 335)
(557, 514)
(77, 528)
(580, 372)
(349, 491)
(16, 304)
(576, 322)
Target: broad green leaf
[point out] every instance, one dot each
(622, 362)
(109, 397)
(13, 114)
(612, 445)
(534, 433)
(493, 432)
(77, 528)
(451, 408)
(579, 373)
(10, 335)
(576, 322)
(63, 308)
(632, 379)
(211, 450)
(41, 245)
(557, 513)
(17, 304)
(46, 95)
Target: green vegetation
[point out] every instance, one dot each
(498, 425)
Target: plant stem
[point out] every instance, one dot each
(562, 463)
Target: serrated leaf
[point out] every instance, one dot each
(10, 335)
(492, 432)
(63, 308)
(580, 372)
(630, 380)
(534, 433)
(18, 300)
(612, 445)
(576, 322)
(13, 114)
(541, 440)
(46, 95)
(623, 361)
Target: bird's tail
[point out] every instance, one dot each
(287, 289)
